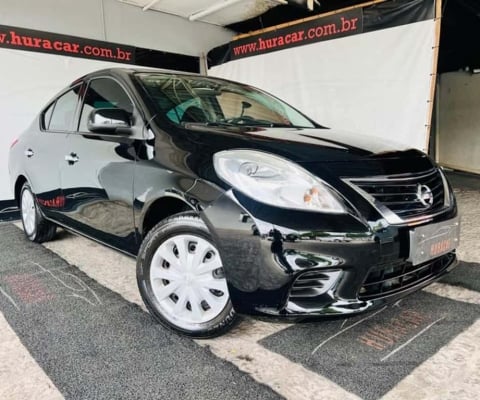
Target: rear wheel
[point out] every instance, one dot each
(36, 227)
(181, 279)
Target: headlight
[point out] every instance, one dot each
(276, 181)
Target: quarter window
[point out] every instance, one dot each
(103, 93)
(47, 115)
(63, 111)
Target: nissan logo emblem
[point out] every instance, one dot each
(425, 195)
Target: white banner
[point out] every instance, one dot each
(376, 83)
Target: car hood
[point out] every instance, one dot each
(338, 145)
(302, 145)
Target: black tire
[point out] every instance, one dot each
(43, 230)
(180, 224)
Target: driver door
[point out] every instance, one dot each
(97, 174)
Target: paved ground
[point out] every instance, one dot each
(72, 326)
(83, 335)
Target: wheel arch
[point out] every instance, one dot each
(21, 179)
(159, 209)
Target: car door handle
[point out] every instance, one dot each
(71, 158)
(29, 153)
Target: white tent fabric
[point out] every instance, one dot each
(375, 83)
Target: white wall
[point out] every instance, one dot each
(376, 83)
(28, 81)
(124, 23)
(458, 133)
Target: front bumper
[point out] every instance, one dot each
(303, 264)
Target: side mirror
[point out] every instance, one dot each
(110, 121)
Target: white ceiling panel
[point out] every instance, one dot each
(217, 12)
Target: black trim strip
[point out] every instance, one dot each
(349, 22)
(16, 38)
(9, 210)
(397, 12)
(318, 30)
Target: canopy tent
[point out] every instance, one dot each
(369, 69)
(450, 112)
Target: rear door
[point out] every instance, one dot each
(44, 152)
(97, 172)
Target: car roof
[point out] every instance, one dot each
(130, 71)
(125, 73)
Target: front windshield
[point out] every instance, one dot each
(197, 99)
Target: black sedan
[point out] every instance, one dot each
(231, 200)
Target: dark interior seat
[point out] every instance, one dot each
(194, 114)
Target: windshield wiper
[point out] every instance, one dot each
(249, 124)
(278, 125)
(208, 123)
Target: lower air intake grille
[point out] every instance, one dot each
(394, 278)
(313, 283)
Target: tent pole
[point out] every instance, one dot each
(203, 64)
(434, 75)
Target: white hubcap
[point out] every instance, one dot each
(187, 280)
(29, 215)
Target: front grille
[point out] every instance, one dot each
(394, 278)
(313, 283)
(400, 193)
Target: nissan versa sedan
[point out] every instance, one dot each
(232, 201)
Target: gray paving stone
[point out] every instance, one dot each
(370, 353)
(95, 345)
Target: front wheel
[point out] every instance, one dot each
(36, 227)
(181, 278)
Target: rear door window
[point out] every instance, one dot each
(64, 111)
